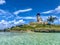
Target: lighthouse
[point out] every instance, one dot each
(39, 19)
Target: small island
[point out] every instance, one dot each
(38, 26)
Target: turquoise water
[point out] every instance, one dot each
(10, 38)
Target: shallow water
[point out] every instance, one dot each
(13, 38)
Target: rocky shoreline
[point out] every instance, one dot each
(38, 30)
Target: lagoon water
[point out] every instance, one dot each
(15, 38)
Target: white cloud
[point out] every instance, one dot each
(19, 22)
(59, 19)
(55, 11)
(15, 22)
(28, 17)
(3, 22)
(47, 12)
(5, 14)
(7, 24)
(2, 2)
(19, 11)
(2, 12)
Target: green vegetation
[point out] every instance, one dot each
(35, 28)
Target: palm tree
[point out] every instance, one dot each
(51, 19)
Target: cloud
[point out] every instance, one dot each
(4, 14)
(28, 17)
(4, 24)
(55, 11)
(19, 22)
(19, 11)
(7, 24)
(47, 12)
(15, 22)
(2, 2)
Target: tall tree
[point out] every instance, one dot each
(51, 19)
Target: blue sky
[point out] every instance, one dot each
(15, 12)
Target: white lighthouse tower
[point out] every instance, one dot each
(39, 19)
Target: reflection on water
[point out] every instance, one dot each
(11, 38)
